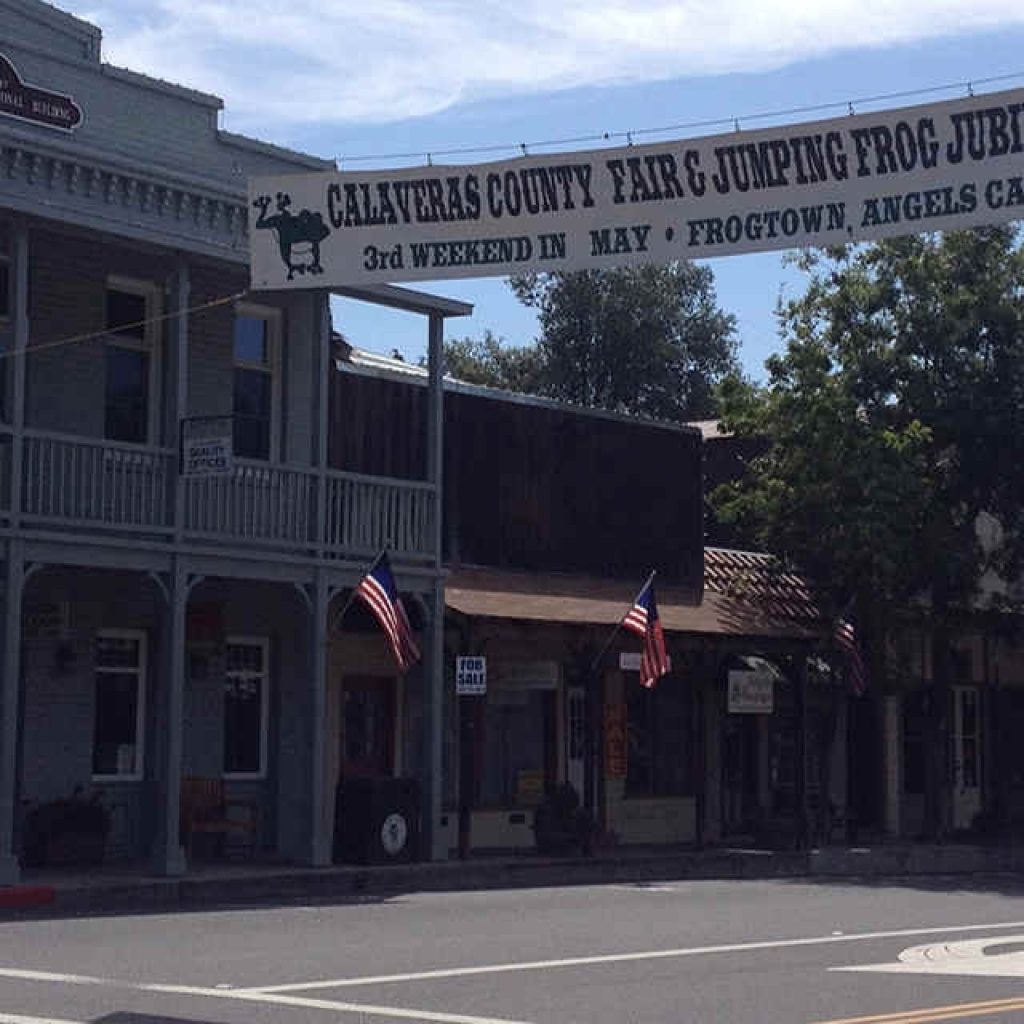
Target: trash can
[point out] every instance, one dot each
(377, 821)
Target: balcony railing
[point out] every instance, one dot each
(365, 514)
(76, 482)
(254, 503)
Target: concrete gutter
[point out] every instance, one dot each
(225, 885)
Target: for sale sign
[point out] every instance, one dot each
(470, 676)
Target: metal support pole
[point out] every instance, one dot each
(434, 844)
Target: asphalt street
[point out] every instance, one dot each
(687, 952)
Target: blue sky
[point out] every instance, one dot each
(387, 82)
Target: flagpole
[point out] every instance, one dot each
(354, 593)
(615, 632)
(593, 783)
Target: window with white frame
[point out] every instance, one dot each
(130, 361)
(246, 697)
(256, 384)
(119, 704)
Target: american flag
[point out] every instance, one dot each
(643, 620)
(377, 589)
(845, 638)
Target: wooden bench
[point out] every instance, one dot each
(205, 810)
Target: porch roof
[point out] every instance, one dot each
(727, 607)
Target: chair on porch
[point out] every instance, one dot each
(206, 810)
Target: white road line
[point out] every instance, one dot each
(14, 1018)
(614, 958)
(277, 995)
(975, 958)
(66, 979)
(305, 1002)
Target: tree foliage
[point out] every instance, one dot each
(894, 418)
(648, 340)
(491, 363)
(894, 428)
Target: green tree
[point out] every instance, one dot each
(894, 427)
(491, 363)
(648, 340)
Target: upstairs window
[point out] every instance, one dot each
(129, 362)
(255, 384)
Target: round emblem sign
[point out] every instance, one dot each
(393, 834)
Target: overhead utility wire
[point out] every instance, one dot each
(524, 147)
(107, 332)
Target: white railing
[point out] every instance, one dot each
(74, 479)
(71, 481)
(366, 514)
(255, 501)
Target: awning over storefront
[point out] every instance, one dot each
(744, 596)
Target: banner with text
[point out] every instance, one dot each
(857, 178)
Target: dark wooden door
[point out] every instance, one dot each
(368, 727)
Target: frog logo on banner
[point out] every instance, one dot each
(298, 234)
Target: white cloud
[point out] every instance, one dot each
(334, 61)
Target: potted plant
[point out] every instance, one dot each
(561, 825)
(68, 830)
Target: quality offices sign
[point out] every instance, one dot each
(861, 177)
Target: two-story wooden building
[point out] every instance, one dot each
(165, 616)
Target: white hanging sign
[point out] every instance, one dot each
(860, 177)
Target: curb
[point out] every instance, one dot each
(19, 897)
(353, 883)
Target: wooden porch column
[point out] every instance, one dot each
(10, 685)
(319, 841)
(9, 709)
(177, 376)
(318, 851)
(892, 715)
(168, 857)
(434, 846)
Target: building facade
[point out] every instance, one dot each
(553, 518)
(168, 615)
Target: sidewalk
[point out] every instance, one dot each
(124, 889)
